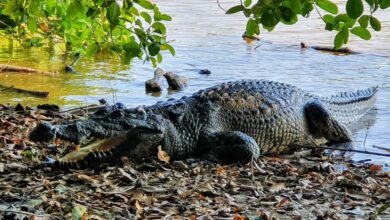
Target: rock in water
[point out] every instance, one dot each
(205, 72)
(153, 85)
(175, 82)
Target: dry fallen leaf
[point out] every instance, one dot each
(57, 141)
(138, 207)
(220, 170)
(84, 178)
(239, 217)
(44, 27)
(77, 148)
(277, 187)
(375, 168)
(85, 216)
(283, 202)
(162, 155)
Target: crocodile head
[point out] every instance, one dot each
(106, 136)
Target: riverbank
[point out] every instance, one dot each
(299, 186)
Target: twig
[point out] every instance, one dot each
(319, 13)
(257, 47)
(220, 6)
(29, 213)
(365, 138)
(84, 108)
(18, 188)
(381, 148)
(347, 150)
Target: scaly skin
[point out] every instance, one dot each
(228, 123)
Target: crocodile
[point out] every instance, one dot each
(232, 122)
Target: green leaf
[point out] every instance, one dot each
(78, 211)
(134, 11)
(154, 49)
(370, 3)
(168, 47)
(329, 27)
(354, 8)
(127, 4)
(363, 21)
(166, 17)
(328, 18)
(375, 23)
(162, 17)
(75, 10)
(288, 16)
(146, 16)
(250, 27)
(269, 20)
(32, 24)
(306, 9)
(384, 4)
(154, 63)
(235, 9)
(328, 6)
(258, 10)
(113, 13)
(92, 12)
(338, 40)
(345, 31)
(247, 3)
(125, 57)
(159, 27)
(159, 58)
(132, 49)
(361, 32)
(145, 4)
(10, 7)
(92, 49)
(296, 6)
(346, 19)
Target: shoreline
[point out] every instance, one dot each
(297, 186)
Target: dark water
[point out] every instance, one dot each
(206, 38)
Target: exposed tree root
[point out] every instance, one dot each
(41, 94)
(344, 50)
(21, 69)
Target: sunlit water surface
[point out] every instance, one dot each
(204, 37)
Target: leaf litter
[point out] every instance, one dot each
(298, 186)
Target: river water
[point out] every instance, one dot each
(204, 37)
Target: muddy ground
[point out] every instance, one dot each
(299, 186)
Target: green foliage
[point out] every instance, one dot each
(129, 28)
(327, 6)
(269, 13)
(354, 8)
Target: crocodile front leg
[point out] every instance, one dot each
(228, 147)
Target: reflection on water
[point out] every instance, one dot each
(206, 38)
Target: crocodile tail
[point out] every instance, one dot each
(348, 107)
